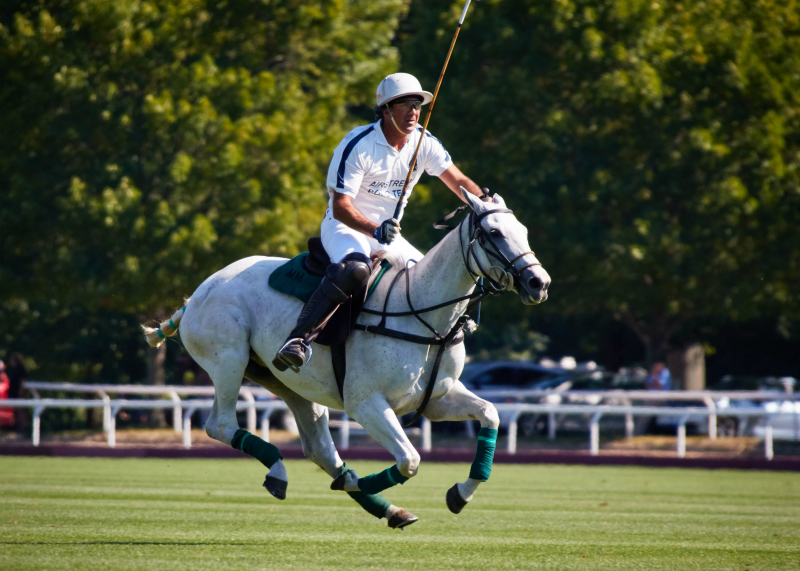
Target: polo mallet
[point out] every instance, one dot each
(398, 210)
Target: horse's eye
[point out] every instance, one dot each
(495, 233)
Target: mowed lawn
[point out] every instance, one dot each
(100, 514)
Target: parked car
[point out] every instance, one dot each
(588, 381)
(509, 375)
(785, 423)
(486, 378)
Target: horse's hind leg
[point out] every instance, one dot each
(460, 404)
(315, 436)
(378, 419)
(223, 351)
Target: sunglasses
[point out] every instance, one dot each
(408, 105)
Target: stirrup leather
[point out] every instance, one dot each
(286, 362)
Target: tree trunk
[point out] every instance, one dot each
(688, 367)
(156, 375)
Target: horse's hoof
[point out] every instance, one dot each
(276, 487)
(455, 503)
(401, 519)
(338, 483)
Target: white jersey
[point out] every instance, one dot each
(367, 168)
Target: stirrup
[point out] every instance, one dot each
(286, 362)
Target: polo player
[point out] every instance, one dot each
(365, 180)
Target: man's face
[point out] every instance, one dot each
(405, 112)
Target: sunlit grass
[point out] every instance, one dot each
(58, 513)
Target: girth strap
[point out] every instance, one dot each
(339, 362)
(402, 335)
(435, 371)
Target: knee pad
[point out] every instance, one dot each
(349, 274)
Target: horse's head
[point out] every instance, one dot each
(498, 250)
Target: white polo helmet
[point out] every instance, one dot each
(399, 85)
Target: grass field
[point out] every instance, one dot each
(161, 515)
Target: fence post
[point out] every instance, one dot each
(187, 427)
(682, 435)
(594, 434)
(712, 418)
(768, 452)
(629, 425)
(106, 409)
(265, 424)
(426, 435)
(551, 426)
(251, 410)
(176, 411)
(512, 433)
(344, 436)
(112, 426)
(37, 423)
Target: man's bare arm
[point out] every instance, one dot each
(346, 213)
(454, 178)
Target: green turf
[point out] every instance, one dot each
(105, 514)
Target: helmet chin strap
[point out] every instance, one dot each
(396, 127)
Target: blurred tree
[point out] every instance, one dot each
(146, 145)
(651, 148)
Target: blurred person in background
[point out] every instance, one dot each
(659, 379)
(17, 375)
(6, 413)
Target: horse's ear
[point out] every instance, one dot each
(470, 199)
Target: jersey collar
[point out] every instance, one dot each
(381, 138)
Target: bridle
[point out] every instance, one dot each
(476, 234)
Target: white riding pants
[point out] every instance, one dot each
(340, 240)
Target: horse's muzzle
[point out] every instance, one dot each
(533, 285)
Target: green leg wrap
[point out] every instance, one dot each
(375, 504)
(375, 483)
(482, 464)
(264, 452)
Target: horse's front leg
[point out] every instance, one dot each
(380, 422)
(461, 404)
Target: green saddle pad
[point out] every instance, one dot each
(292, 279)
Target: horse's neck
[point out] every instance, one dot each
(439, 277)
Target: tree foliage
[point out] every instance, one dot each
(147, 144)
(650, 147)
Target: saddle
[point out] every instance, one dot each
(301, 275)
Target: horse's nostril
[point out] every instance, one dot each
(535, 283)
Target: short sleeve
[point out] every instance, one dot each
(349, 166)
(350, 174)
(437, 159)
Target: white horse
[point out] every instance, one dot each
(235, 323)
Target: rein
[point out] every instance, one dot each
(475, 233)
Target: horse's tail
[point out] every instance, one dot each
(156, 337)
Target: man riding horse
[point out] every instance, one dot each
(365, 179)
(232, 322)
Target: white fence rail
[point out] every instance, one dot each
(254, 401)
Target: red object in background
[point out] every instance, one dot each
(6, 413)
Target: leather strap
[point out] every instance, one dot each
(339, 362)
(394, 334)
(435, 371)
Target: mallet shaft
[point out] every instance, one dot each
(398, 209)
